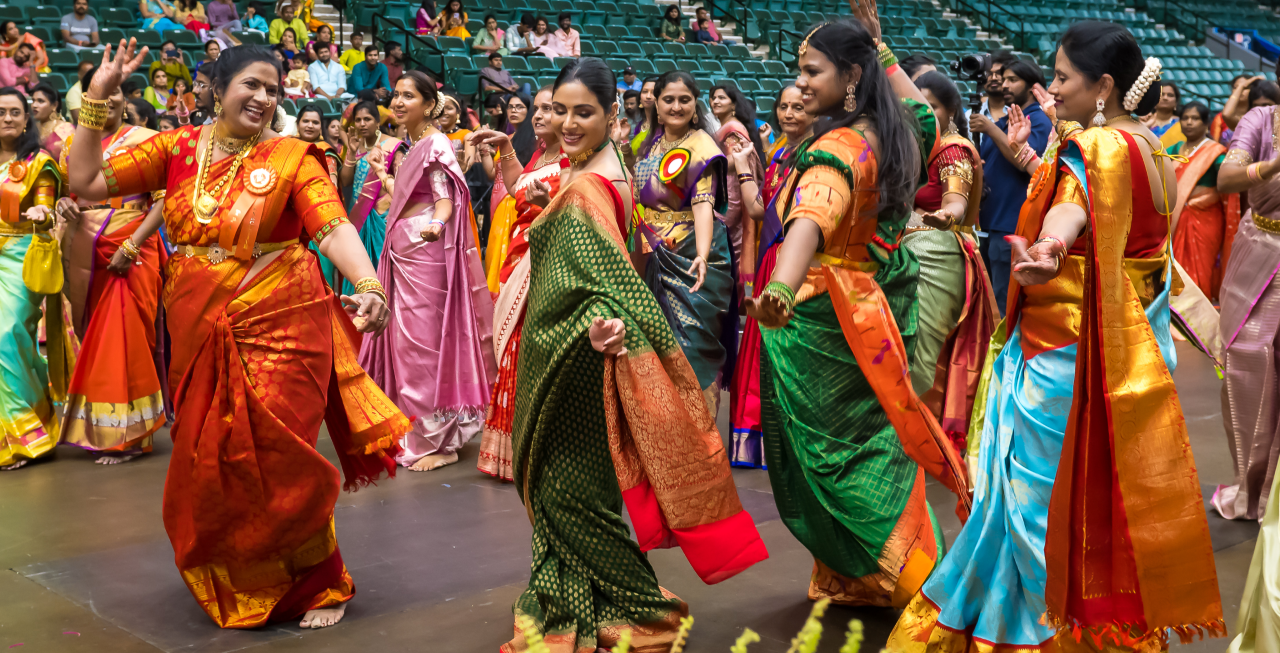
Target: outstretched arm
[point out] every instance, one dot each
(87, 181)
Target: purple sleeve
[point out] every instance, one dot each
(1251, 134)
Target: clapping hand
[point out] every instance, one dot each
(1019, 128)
(1047, 103)
(867, 12)
(740, 157)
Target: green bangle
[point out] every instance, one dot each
(886, 56)
(782, 291)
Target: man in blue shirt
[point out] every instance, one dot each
(629, 81)
(371, 75)
(1006, 181)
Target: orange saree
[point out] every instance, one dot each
(259, 361)
(1202, 216)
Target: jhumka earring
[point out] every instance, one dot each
(1099, 119)
(850, 100)
(217, 108)
(951, 126)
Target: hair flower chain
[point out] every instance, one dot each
(1150, 74)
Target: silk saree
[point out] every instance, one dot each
(115, 401)
(848, 442)
(594, 433)
(260, 358)
(367, 204)
(1206, 220)
(33, 388)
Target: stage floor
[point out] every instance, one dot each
(438, 558)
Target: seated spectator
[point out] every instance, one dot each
(130, 90)
(289, 45)
(297, 83)
(453, 20)
(14, 37)
(190, 14)
(917, 64)
(516, 38)
(158, 93)
(394, 61)
(167, 122)
(324, 40)
(171, 61)
(180, 93)
(566, 42)
(74, 94)
(490, 39)
(495, 79)
(18, 70)
(79, 29)
(253, 20)
(540, 39)
(224, 18)
(140, 113)
(353, 55)
(696, 22)
(629, 81)
(631, 106)
(328, 79)
(427, 25)
(671, 30)
(703, 33)
(285, 21)
(157, 15)
(371, 75)
(212, 50)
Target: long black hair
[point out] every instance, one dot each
(50, 94)
(699, 116)
(948, 96)
(29, 140)
(1096, 48)
(235, 59)
(144, 110)
(594, 74)
(666, 14)
(846, 44)
(523, 141)
(744, 111)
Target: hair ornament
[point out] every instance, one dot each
(804, 45)
(1150, 75)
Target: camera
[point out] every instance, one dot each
(974, 68)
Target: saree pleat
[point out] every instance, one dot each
(592, 435)
(1258, 622)
(941, 291)
(28, 420)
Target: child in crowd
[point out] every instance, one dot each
(353, 55)
(297, 83)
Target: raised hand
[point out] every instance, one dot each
(608, 336)
(867, 12)
(114, 70)
(740, 157)
(1047, 104)
(489, 137)
(1019, 129)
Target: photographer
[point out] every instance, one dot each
(1004, 175)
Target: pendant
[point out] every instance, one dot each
(205, 207)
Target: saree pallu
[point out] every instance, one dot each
(594, 433)
(1199, 241)
(503, 219)
(435, 360)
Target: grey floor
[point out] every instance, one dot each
(437, 557)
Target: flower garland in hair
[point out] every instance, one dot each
(1150, 75)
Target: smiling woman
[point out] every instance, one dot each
(262, 350)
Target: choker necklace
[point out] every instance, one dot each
(230, 144)
(580, 159)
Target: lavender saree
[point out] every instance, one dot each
(435, 360)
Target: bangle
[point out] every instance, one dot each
(369, 284)
(886, 56)
(783, 292)
(508, 156)
(94, 113)
(130, 249)
(1253, 172)
(1061, 255)
(744, 177)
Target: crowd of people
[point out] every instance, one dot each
(885, 280)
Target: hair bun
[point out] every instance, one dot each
(1149, 76)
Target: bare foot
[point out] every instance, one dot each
(116, 459)
(434, 461)
(22, 462)
(323, 617)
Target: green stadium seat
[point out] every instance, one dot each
(674, 49)
(184, 38)
(148, 37)
(58, 81)
(644, 67)
(542, 63)
(616, 65)
(44, 13)
(560, 62)
(11, 12)
(664, 65)
(521, 80)
(61, 60)
(630, 50)
(517, 63)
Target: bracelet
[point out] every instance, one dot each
(130, 249)
(886, 56)
(370, 284)
(1253, 172)
(94, 113)
(891, 70)
(508, 156)
(744, 177)
(435, 221)
(1061, 255)
(783, 292)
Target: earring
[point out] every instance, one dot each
(217, 108)
(850, 100)
(951, 126)
(1099, 119)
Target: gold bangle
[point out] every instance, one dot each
(370, 284)
(508, 156)
(94, 113)
(130, 248)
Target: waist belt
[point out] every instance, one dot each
(654, 216)
(865, 266)
(1269, 225)
(963, 229)
(24, 228)
(217, 254)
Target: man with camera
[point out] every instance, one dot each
(1004, 177)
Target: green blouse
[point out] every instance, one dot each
(1210, 177)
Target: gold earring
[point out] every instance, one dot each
(217, 108)
(850, 100)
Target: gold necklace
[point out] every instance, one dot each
(414, 141)
(229, 144)
(582, 158)
(544, 161)
(206, 203)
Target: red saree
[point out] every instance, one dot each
(1201, 214)
(259, 360)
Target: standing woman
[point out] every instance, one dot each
(1163, 121)
(262, 352)
(1205, 222)
(31, 390)
(369, 162)
(847, 442)
(796, 127)
(1088, 529)
(436, 361)
(592, 325)
(54, 131)
(114, 304)
(310, 119)
(958, 310)
(532, 186)
(680, 183)
(519, 121)
(742, 213)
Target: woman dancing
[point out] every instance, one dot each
(1205, 221)
(54, 131)
(742, 212)
(796, 127)
(689, 264)
(32, 390)
(1123, 556)
(311, 130)
(958, 310)
(436, 361)
(115, 402)
(634, 429)
(847, 461)
(518, 118)
(532, 188)
(262, 350)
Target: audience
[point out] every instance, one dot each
(289, 45)
(629, 82)
(671, 30)
(180, 93)
(491, 38)
(917, 64)
(516, 37)
(566, 42)
(453, 20)
(323, 41)
(394, 61)
(140, 113)
(540, 39)
(14, 36)
(190, 14)
(157, 15)
(19, 70)
(74, 93)
(286, 20)
(495, 79)
(328, 79)
(426, 19)
(703, 33)
(170, 62)
(158, 92)
(79, 29)
(167, 122)
(354, 54)
(371, 75)
(700, 14)
(212, 50)
(253, 20)
(297, 83)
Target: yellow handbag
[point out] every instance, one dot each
(42, 266)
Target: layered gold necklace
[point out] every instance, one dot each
(204, 202)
